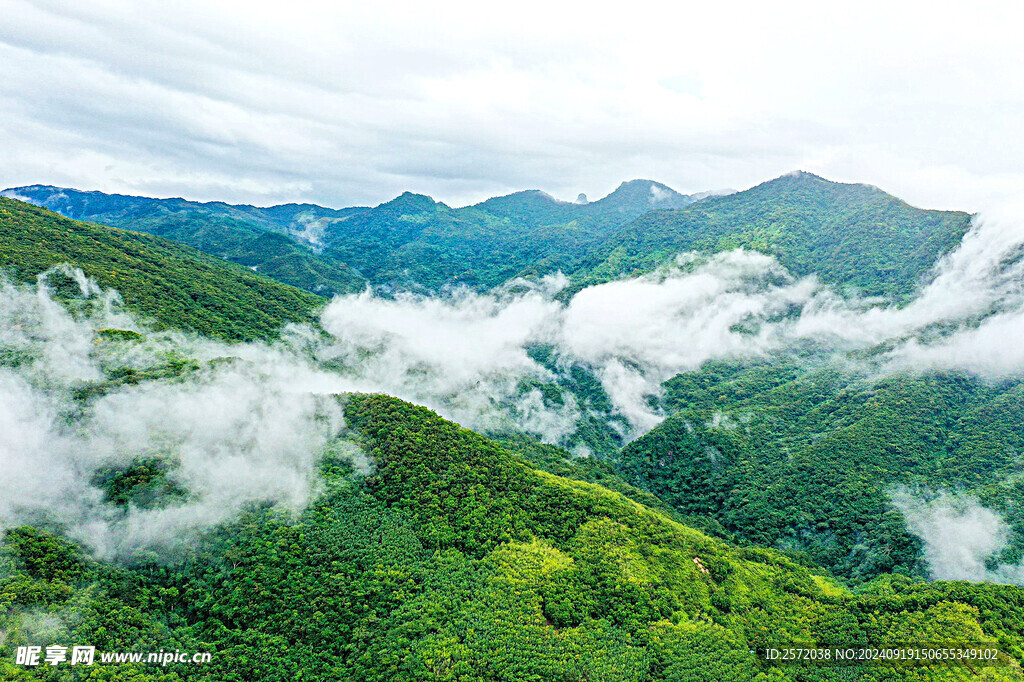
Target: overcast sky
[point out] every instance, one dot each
(351, 103)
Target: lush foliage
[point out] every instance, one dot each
(278, 242)
(463, 558)
(849, 235)
(173, 285)
(411, 242)
(458, 561)
(805, 459)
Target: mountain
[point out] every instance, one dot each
(410, 242)
(631, 199)
(759, 514)
(637, 197)
(281, 242)
(456, 560)
(808, 459)
(172, 284)
(851, 236)
(854, 237)
(413, 242)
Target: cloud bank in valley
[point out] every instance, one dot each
(466, 353)
(248, 423)
(961, 537)
(245, 428)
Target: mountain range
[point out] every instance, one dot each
(853, 236)
(295, 526)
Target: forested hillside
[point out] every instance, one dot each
(454, 560)
(280, 242)
(158, 279)
(852, 236)
(410, 242)
(849, 235)
(807, 460)
(263, 503)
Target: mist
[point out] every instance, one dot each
(247, 422)
(961, 537)
(466, 354)
(975, 291)
(242, 424)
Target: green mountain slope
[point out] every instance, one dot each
(411, 242)
(457, 561)
(806, 459)
(461, 558)
(415, 242)
(848, 235)
(279, 242)
(174, 285)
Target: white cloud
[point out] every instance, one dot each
(239, 431)
(465, 354)
(658, 194)
(960, 536)
(343, 104)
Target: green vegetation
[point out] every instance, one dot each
(416, 243)
(411, 242)
(758, 514)
(456, 560)
(273, 241)
(172, 285)
(848, 235)
(560, 462)
(271, 254)
(804, 459)
(143, 483)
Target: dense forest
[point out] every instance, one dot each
(853, 236)
(805, 460)
(278, 242)
(160, 280)
(457, 560)
(762, 511)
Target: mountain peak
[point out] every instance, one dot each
(522, 195)
(645, 194)
(805, 181)
(410, 202)
(807, 175)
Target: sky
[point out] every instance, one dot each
(353, 103)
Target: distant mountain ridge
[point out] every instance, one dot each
(411, 241)
(851, 236)
(631, 198)
(280, 241)
(87, 204)
(159, 280)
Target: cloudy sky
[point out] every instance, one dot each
(352, 103)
